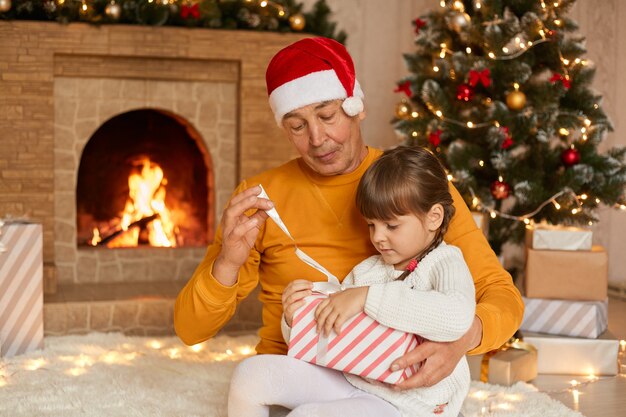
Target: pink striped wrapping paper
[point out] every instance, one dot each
(363, 347)
(21, 289)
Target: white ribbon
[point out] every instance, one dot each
(329, 287)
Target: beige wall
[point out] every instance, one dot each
(380, 32)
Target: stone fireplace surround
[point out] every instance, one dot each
(60, 83)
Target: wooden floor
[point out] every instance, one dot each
(606, 397)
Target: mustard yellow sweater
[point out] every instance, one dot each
(321, 215)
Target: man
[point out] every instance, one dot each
(316, 99)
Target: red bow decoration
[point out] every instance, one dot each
(412, 265)
(435, 137)
(419, 23)
(405, 87)
(508, 140)
(483, 77)
(187, 11)
(564, 80)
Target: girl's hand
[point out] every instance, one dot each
(293, 297)
(333, 312)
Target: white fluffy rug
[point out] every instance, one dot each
(115, 375)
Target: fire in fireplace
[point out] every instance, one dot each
(145, 179)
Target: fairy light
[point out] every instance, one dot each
(197, 347)
(435, 68)
(597, 201)
(155, 344)
(622, 345)
(526, 221)
(505, 49)
(565, 61)
(556, 205)
(442, 3)
(587, 122)
(584, 196)
(229, 352)
(450, 177)
(468, 50)
(442, 54)
(493, 214)
(575, 211)
(458, 5)
(439, 113)
(563, 131)
(415, 114)
(557, 22)
(481, 163)
(470, 125)
(414, 134)
(263, 3)
(491, 55)
(583, 130)
(477, 5)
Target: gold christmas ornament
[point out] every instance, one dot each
(297, 22)
(516, 100)
(403, 109)
(5, 6)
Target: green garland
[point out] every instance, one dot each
(273, 15)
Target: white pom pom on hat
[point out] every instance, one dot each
(310, 71)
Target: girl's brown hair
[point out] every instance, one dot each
(406, 180)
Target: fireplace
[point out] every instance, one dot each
(145, 178)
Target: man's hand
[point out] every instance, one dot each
(440, 358)
(333, 312)
(293, 297)
(239, 232)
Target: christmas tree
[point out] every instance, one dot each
(501, 92)
(264, 15)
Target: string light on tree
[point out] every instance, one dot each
(297, 22)
(113, 10)
(5, 6)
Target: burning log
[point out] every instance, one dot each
(141, 223)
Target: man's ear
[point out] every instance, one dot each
(361, 115)
(434, 217)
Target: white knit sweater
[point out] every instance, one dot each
(436, 302)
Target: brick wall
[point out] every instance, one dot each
(33, 54)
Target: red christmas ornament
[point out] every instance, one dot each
(570, 156)
(435, 138)
(564, 80)
(464, 92)
(508, 140)
(405, 88)
(483, 77)
(187, 11)
(419, 23)
(500, 190)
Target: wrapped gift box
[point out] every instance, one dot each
(363, 347)
(504, 367)
(21, 289)
(575, 356)
(558, 238)
(567, 275)
(567, 318)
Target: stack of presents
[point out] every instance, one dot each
(566, 312)
(21, 288)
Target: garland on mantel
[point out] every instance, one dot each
(261, 15)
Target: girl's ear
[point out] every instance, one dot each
(434, 217)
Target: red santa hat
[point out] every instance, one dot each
(310, 71)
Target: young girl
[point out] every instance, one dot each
(417, 284)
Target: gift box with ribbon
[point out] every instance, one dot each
(551, 237)
(21, 288)
(568, 318)
(514, 361)
(575, 356)
(363, 346)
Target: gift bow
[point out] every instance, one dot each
(332, 284)
(482, 77)
(564, 80)
(513, 343)
(193, 11)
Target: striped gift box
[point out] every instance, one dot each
(586, 319)
(21, 289)
(363, 347)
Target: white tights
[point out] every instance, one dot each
(308, 390)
